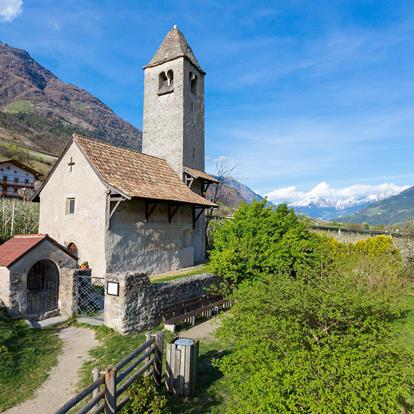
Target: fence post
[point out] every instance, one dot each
(159, 342)
(110, 391)
(147, 372)
(95, 377)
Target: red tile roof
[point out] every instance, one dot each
(19, 245)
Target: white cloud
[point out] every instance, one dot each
(10, 9)
(325, 195)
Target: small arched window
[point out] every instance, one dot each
(193, 83)
(165, 82)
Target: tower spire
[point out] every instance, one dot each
(172, 47)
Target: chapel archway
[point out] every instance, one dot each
(42, 288)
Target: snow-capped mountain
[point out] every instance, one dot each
(326, 202)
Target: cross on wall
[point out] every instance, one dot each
(71, 164)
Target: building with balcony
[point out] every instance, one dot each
(15, 175)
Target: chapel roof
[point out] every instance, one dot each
(172, 47)
(200, 174)
(19, 245)
(135, 174)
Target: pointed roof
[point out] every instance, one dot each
(172, 47)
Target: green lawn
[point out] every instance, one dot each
(19, 106)
(408, 328)
(168, 277)
(26, 357)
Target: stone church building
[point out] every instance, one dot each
(122, 210)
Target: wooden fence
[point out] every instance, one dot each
(108, 393)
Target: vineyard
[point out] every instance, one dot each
(18, 217)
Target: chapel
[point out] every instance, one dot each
(124, 210)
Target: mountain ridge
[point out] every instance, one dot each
(40, 110)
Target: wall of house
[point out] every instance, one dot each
(87, 226)
(17, 286)
(12, 178)
(139, 303)
(154, 247)
(5, 285)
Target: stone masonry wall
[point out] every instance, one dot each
(139, 302)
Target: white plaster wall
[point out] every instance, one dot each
(153, 247)
(87, 227)
(5, 285)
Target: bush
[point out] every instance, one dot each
(321, 345)
(260, 240)
(145, 399)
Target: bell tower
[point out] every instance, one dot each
(173, 124)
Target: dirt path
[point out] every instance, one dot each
(60, 385)
(203, 330)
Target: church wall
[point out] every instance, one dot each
(153, 247)
(87, 226)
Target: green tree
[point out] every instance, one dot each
(260, 240)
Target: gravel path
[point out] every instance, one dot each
(203, 330)
(60, 385)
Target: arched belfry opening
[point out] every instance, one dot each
(165, 82)
(42, 288)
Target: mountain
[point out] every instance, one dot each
(391, 210)
(328, 212)
(245, 193)
(40, 111)
(232, 194)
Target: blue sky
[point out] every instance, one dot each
(297, 92)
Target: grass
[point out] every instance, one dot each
(408, 323)
(18, 107)
(210, 395)
(113, 347)
(168, 277)
(26, 357)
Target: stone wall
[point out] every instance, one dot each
(139, 302)
(405, 244)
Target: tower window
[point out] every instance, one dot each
(193, 83)
(165, 82)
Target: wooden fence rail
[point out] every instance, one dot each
(108, 393)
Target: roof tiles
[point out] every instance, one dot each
(137, 175)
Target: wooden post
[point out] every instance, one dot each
(147, 372)
(159, 342)
(95, 377)
(110, 391)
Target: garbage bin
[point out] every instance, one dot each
(181, 366)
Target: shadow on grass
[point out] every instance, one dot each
(209, 389)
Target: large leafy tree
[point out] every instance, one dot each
(260, 240)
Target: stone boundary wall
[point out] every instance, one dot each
(404, 244)
(139, 302)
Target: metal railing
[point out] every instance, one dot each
(108, 393)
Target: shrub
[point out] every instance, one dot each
(145, 399)
(260, 240)
(318, 345)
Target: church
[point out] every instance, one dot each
(122, 210)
